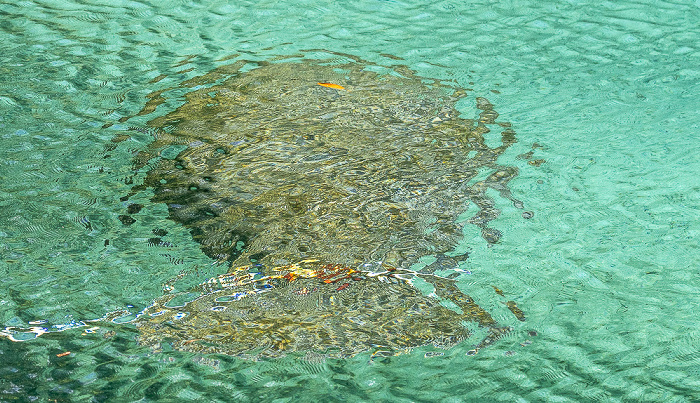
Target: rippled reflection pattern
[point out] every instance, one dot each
(313, 307)
(286, 179)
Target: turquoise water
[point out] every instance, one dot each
(606, 271)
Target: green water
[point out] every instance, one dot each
(606, 271)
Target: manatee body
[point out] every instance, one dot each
(281, 175)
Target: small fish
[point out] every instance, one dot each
(498, 291)
(516, 311)
(331, 85)
(63, 354)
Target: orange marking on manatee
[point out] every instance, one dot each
(331, 85)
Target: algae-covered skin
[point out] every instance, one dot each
(282, 169)
(294, 168)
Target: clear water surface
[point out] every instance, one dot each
(606, 271)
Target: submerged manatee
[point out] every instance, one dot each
(321, 198)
